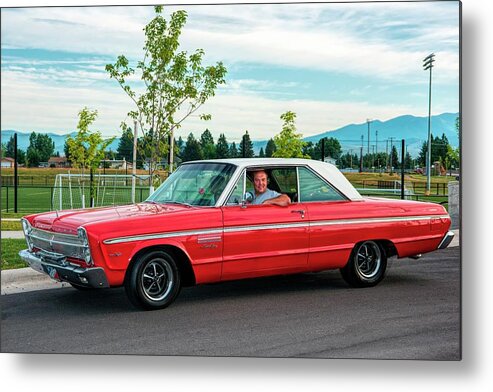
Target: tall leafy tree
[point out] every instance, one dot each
(270, 148)
(176, 83)
(222, 147)
(192, 150)
(41, 148)
(288, 142)
(87, 148)
(246, 147)
(207, 145)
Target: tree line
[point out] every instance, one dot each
(288, 143)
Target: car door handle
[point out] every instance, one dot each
(301, 212)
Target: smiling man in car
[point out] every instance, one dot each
(264, 195)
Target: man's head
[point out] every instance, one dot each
(260, 181)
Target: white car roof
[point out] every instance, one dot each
(324, 169)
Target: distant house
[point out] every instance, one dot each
(330, 160)
(58, 162)
(115, 164)
(7, 163)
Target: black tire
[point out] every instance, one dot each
(366, 266)
(153, 281)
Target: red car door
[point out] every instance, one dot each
(263, 240)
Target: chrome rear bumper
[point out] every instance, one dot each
(446, 240)
(59, 269)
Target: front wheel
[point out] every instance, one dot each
(153, 281)
(366, 266)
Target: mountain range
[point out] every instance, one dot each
(411, 128)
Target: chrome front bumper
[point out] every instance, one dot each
(446, 240)
(59, 269)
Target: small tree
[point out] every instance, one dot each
(222, 147)
(192, 150)
(126, 145)
(289, 144)
(87, 148)
(233, 151)
(207, 145)
(176, 84)
(9, 151)
(41, 148)
(270, 148)
(246, 147)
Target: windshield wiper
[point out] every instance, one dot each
(182, 203)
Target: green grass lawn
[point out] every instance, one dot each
(11, 226)
(10, 253)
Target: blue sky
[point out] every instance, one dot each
(332, 64)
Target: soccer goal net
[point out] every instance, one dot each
(73, 190)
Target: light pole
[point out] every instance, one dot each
(428, 65)
(368, 121)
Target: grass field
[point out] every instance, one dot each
(10, 253)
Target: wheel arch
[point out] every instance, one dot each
(179, 255)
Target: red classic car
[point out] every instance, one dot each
(201, 226)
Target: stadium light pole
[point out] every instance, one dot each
(428, 65)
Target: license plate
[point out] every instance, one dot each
(52, 272)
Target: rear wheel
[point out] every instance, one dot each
(366, 266)
(153, 281)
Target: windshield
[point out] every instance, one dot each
(196, 184)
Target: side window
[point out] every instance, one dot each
(237, 194)
(313, 188)
(286, 182)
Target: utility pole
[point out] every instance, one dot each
(134, 163)
(368, 121)
(361, 154)
(391, 150)
(361, 159)
(387, 155)
(428, 65)
(403, 147)
(16, 184)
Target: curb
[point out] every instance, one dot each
(14, 234)
(26, 279)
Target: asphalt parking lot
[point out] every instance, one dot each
(413, 314)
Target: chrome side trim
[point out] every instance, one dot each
(290, 225)
(266, 227)
(158, 236)
(376, 220)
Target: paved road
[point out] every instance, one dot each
(414, 313)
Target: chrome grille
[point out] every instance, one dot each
(64, 244)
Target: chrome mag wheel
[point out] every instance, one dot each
(157, 279)
(366, 265)
(368, 259)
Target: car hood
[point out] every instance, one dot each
(68, 221)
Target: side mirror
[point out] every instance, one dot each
(247, 198)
